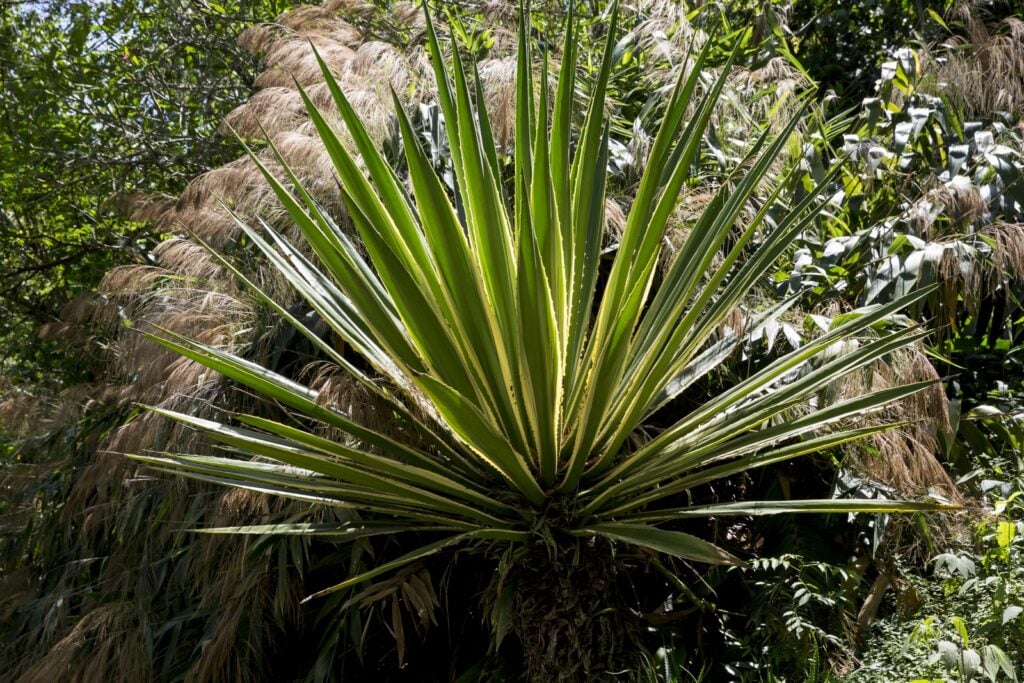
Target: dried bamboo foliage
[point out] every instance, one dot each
(958, 202)
(186, 291)
(614, 222)
(498, 81)
(1008, 256)
(982, 69)
(905, 459)
(116, 639)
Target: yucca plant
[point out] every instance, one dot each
(521, 365)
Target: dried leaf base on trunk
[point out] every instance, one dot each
(569, 608)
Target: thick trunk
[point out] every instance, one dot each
(573, 614)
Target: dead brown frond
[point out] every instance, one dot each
(23, 414)
(906, 458)
(241, 506)
(144, 367)
(307, 17)
(53, 331)
(963, 201)
(499, 12)
(96, 485)
(680, 224)
(186, 258)
(130, 281)
(981, 71)
(338, 389)
(144, 207)
(71, 404)
(215, 226)
(348, 7)
(256, 39)
(409, 15)
(273, 110)
(375, 112)
(294, 61)
(93, 309)
(957, 264)
(305, 156)
(18, 412)
(238, 617)
(410, 592)
(386, 64)
(186, 377)
(146, 431)
(213, 318)
(222, 184)
(923, 212)
(109, 643)
(918, 539)
(614, 222)
(244, 599)
(769, 93)
(16, 590)
(498, 81)
(664, 29)
(665, 35)
(1008, 256)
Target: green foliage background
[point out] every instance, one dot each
(101, 99)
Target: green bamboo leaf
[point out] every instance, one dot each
(392, 193)
(343, 261)
(541, 369)
(486, 221)
(659, 476)
(713, 356)
(367, 322)
(514, 381)
(315, 339)
(376, 387)
(561, 127)
(661, 350)
(524, 124)
(583, 227)
(280, 388)
(631, 275)
(419, 312)
(779, 368)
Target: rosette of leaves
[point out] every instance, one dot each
(521, 365)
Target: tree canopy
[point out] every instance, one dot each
(102, 100)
